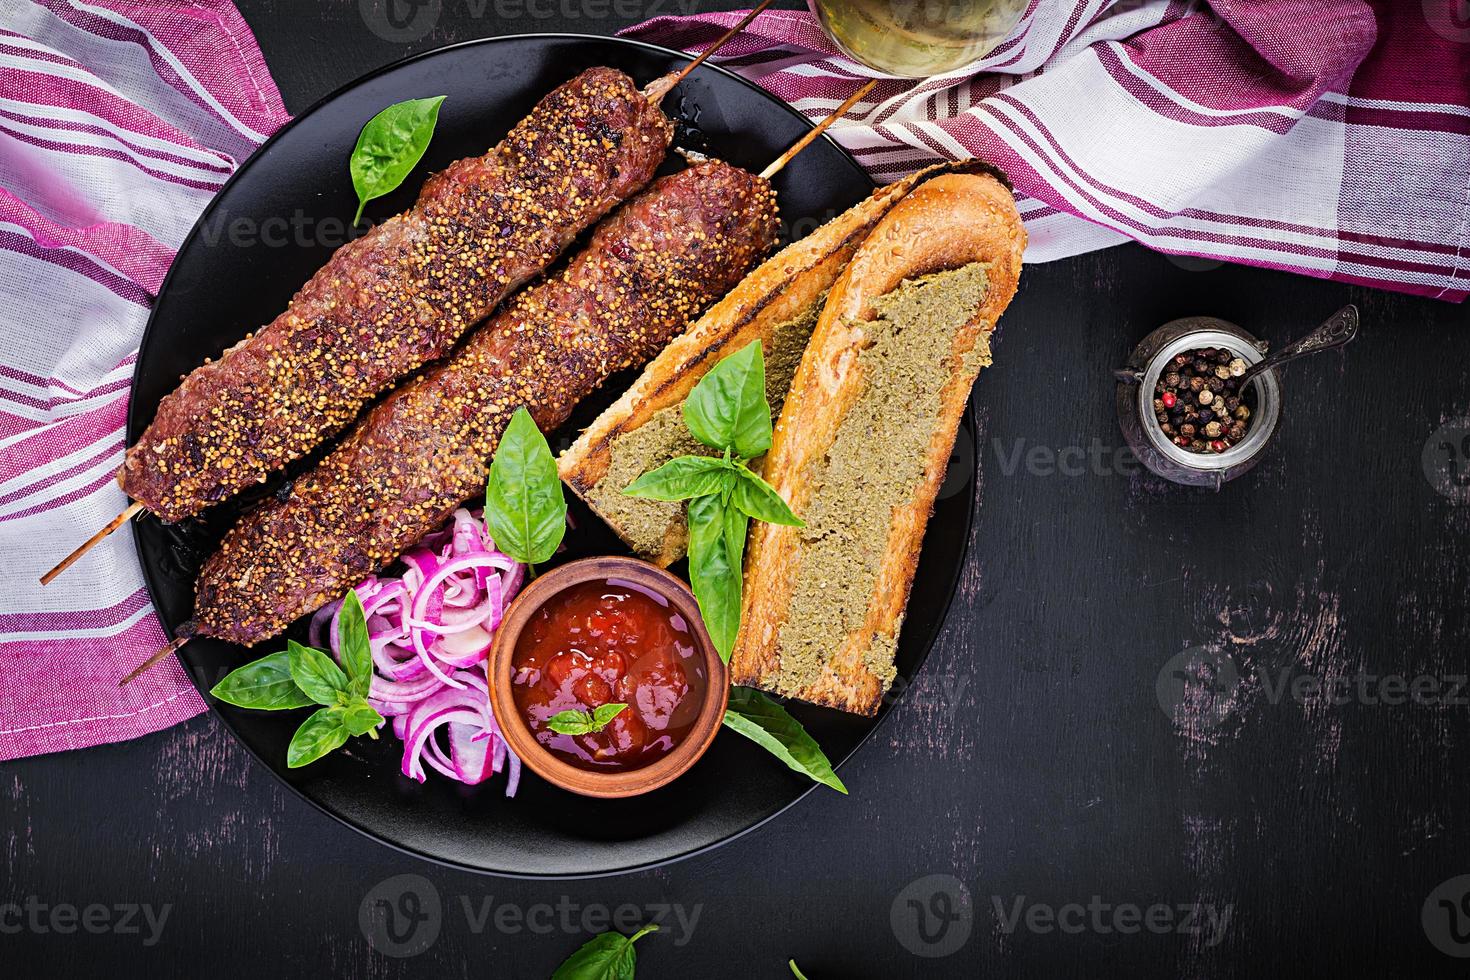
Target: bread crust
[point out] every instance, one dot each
(779, 290)
(949, 222)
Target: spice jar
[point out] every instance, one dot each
(1138, 387)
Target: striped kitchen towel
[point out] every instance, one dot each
(1325, 137)
(118, 121)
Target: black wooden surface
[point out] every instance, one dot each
(1036, 763)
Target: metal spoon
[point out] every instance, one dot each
(1339, 329)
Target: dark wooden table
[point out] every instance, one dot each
(1087, 825)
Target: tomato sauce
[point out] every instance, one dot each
(603, 642)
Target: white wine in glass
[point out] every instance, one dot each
(917, 38)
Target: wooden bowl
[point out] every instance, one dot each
(541, 760)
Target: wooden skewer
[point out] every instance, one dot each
(821, 128)
(186, 633)
(659, 88)
(132, 511)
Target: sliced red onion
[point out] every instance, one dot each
(429, 631)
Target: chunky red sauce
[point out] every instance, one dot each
(604, 642)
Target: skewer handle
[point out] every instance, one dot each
(133, 509)
(186, 633)
(821, 128)
(658, 88)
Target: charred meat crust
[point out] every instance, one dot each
(400, 296)
(646, 271)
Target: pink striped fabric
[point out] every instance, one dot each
(1325, 137)
(118, 122)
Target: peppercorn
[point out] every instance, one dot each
(1197, 400)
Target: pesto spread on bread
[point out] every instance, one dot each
(874, 464)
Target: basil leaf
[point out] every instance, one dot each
(264, 684)
(609, 956)
(728, 409)
(682, 478)
(525, 509)
(318, 735)
(737, 528)
(795, 970)
(760, 500)
(763, 721)
(315, 673)
(390, 146)
(714, 572)
(352, 646)
(574, 722)
(360, 718)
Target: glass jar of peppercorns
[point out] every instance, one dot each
(1183, 408)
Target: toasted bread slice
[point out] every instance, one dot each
(776, 304)
(864, 438)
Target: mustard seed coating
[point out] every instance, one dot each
(400, 296)
(646, 272)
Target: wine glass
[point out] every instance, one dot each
(917, 38)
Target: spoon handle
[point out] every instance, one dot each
(1339, 329)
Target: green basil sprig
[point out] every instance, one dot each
(299, 676)
(609, 956)
(763, 721)
(525, 509)
(390, 146)
(728, 411)
(796, 970)
(574, 722)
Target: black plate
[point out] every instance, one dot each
(269, 230)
